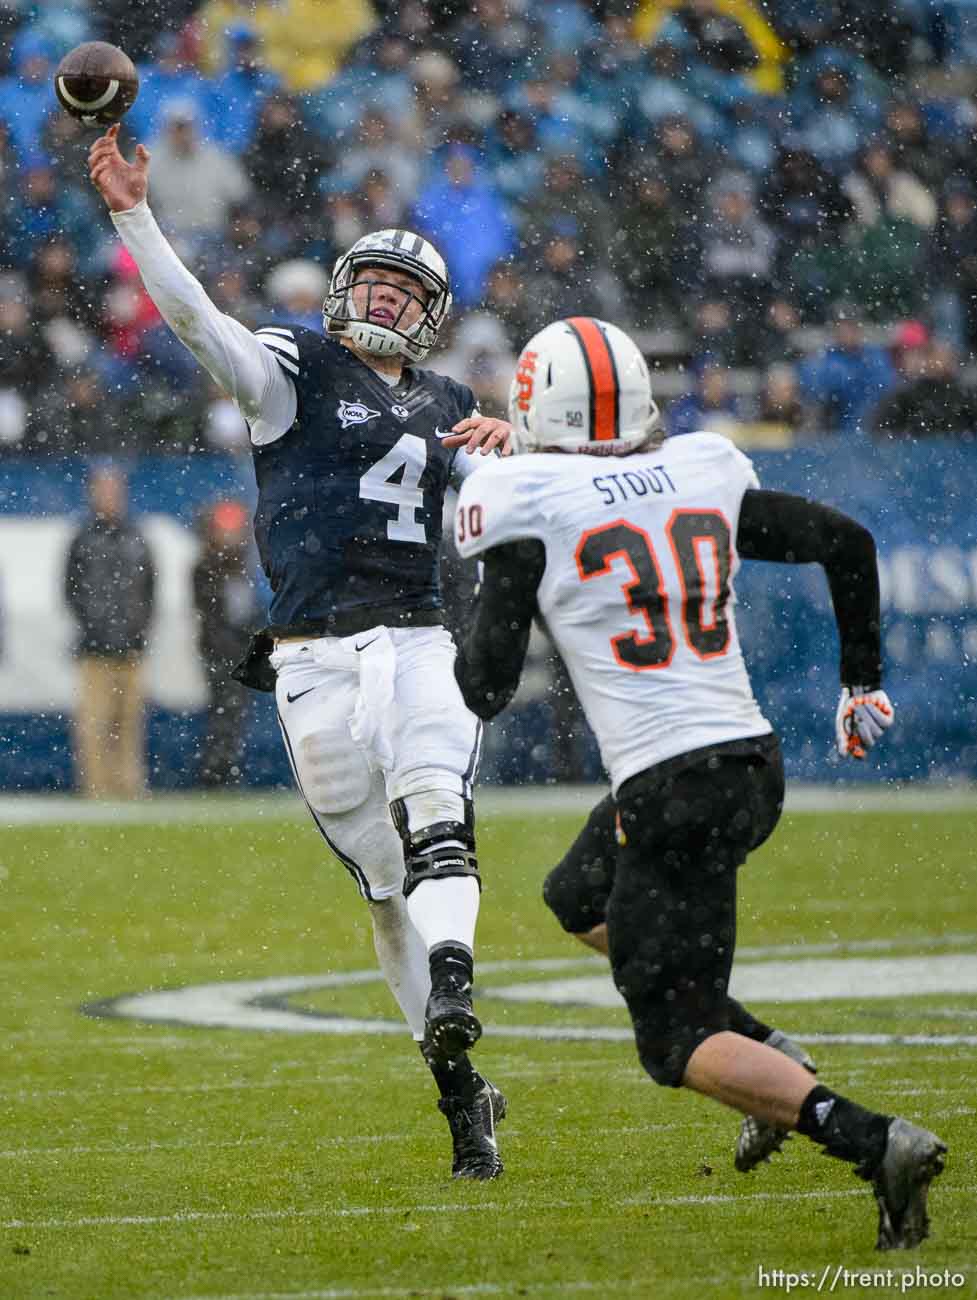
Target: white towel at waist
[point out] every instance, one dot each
(375, 711)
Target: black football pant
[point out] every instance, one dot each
(668, 893)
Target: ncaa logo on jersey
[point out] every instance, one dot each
(354, 413)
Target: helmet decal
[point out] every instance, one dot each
(605, 392)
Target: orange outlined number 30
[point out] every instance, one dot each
(700, 540)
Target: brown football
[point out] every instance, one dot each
(97, 83)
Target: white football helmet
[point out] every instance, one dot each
(403, 251)
(582, 385)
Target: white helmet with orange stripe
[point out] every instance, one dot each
(582, 385)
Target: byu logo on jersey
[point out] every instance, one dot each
(354, 413)
(401, 412)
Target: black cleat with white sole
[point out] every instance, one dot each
(472, 1122)
(913, 1158)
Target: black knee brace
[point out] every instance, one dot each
(427, 855)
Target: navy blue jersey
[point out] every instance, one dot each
(350, 499)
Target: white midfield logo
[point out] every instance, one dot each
(354, 413)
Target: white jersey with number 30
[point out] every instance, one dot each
(637, 592)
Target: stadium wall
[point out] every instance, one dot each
(918, 499)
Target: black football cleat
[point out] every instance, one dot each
(913, 1158)
(450, 1024)
(472, 1122)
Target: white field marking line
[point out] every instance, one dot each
(138, 1090)
(447, 1288)
(127, 1149)
(198, 808)
(365, 1211)
(628, 1075)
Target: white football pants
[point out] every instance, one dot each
(394, 689)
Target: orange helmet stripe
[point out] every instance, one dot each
(605, 405)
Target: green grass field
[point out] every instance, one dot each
(163, 1160)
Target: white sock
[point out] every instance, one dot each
(402, 955)
(445, 911)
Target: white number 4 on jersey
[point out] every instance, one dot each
(405, 460)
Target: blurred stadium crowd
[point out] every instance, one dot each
(778, 197)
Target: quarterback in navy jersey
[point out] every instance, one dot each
(354, 448)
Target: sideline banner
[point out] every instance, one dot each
(919, 501)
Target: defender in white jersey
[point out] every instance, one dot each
(628, 553)
(646, 548)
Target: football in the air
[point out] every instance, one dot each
(96, 83)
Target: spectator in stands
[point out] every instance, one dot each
(60, 291)
(168, 78)
(481, 357)
(914, 149)
(951, 266)
(685, 163)
(651, 251)
(136, 26)
(26, 359)
(460, 212)
(440, 112)
(296, 291)
(711, 405)
(493, 41)
(879, 190)
(76, 415)
(304, 41)
(566, 284)
(379, 145)
(717, 335)
(26, 95)
(847, 378)
(508, 296)
(514, 158)
(781, 415)
(284, 160)
(565, 122)
(110, 584)
(238, 94)
(228, 612)
(47, 210)
(738, 247)
(931, 400)
(730, 39)
(831, 111)
(195, 183)
(565, 193)
(776, 340)
(663, 95)
(802, 200)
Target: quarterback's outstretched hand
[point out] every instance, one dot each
(480, 433)
(861, 718)
(122, 185)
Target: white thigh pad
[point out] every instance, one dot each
(331, 769)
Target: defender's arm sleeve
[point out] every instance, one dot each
(780, 527)
(490, 658)
(237, 360)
